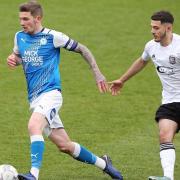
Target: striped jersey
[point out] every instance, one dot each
(40, 54)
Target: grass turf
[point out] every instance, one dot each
(123, 127)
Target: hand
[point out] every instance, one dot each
(115, 86)
(102, 86)
(13, 60)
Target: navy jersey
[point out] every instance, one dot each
(40, 54)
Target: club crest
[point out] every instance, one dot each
(43, 41)
(172, 59)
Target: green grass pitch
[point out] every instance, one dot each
(123, 127)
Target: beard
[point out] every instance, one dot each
(162, 36)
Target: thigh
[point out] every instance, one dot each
(169, 111)
(36, 123)
(167, 130)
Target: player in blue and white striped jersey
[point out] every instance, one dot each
(37, 49)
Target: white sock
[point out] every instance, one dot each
(77, 150)
(36, 138)
(168, 157)
(100, 163)
(35, 172)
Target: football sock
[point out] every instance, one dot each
(82, 154)
(37, 150)
(168, 156)
(100, 163)
(35, 171)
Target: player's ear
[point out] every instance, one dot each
(38, 18)
(169, 27)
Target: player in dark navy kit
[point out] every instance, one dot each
(37, 49)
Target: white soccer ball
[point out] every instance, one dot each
(8, 172)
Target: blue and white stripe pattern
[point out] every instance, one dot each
(40, 54)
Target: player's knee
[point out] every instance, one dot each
(64, 147)
(32, 129)
(165, 136)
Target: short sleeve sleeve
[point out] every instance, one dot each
(15, 49)
(145, 55)
(61, 40)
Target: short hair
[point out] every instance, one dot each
(163, 16)
(33, 7)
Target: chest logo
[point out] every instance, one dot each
(165, 70)
(23, 40)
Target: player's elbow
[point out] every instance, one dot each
(82, 49)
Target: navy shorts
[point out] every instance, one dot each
(169, 111)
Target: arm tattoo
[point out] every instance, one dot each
(89, 58)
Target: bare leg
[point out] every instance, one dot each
(167, 131)
(61, 139)
(80, 153)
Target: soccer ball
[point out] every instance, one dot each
(8, 172)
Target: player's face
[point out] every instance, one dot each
(28, 22)
(158, 30)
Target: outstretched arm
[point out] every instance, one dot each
(88, 56)
(136, 67)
